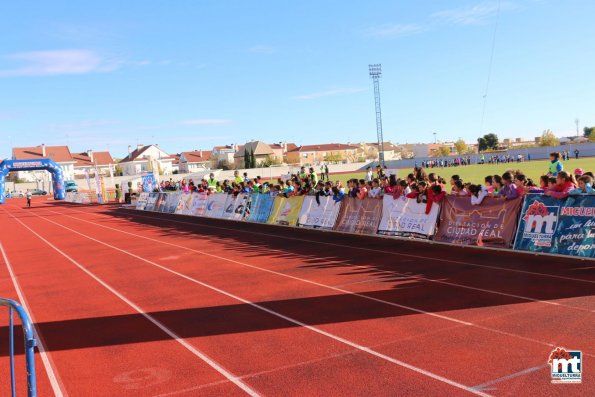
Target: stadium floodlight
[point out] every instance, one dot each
(375, 73)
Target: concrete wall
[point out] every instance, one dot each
(537, 153)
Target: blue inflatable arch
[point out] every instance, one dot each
(33, 165)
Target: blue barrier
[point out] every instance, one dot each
(29, 335)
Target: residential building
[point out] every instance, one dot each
(60, 154)
(316, 154)
(147, 158)
(369, 151)
(262, 152)
(196, 160)
(224, 154)
(280, 150)
(89, 161)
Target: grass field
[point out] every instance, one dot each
(476, 173)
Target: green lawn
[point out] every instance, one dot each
(476, 173)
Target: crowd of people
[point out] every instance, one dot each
(425, 187)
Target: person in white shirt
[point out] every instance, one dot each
(478, 193)
(28, 199)
(369, 174)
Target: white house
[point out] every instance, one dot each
(60, 154)
(89, 161)
(147, 158)
(196, 160)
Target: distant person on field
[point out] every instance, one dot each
(28, 199)
(576, 152)
(326, 172)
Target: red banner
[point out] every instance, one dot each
(492, 223)
(359, 216)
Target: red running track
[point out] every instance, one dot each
(131, 303)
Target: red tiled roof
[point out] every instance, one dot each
(99, 158)
(60, 154)
(290, 146)
(195, 156)
(324, 147)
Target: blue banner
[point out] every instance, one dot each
(260, 207)
(556, 226)
(149, 183)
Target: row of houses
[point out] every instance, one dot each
(153, 158)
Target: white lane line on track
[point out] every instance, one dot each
(361, 248)
(475, 325)
(485, 386)
(381, 273)
(277, 314)
(55, 382)
(233, 378)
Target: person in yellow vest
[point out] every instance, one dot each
(212, 181)
(555, 164)
(237, 178)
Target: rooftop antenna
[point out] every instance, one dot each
(375, 73)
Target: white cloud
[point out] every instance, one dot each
(205, 122)
(58, 62)
(474, 15)
(391, 31)
(261, 49)
(338, 91)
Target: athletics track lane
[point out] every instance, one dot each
(367, 323)
(288, 355)
(578, 330)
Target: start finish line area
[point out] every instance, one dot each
(131, 303)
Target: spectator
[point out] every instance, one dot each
(509, 190)
(564, 184)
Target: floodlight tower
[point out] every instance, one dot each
(375, 74)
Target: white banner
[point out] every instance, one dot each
(171, 202)
(323, 215)
(235, 207)
(216, 205)
(407, 216)
(141, 201)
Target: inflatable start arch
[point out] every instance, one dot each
(32, 165)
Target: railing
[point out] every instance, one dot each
(29, 336)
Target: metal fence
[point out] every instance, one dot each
(29, 339)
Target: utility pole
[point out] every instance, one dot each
(576, 121)
(375, 73)
(434, 137)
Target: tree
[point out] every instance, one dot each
(246, 158)
(488, 141)
(252, 159)
(118, 171)
(548, 139)
(442, 151)
(333, 157)
(589, 132)
(461, 147)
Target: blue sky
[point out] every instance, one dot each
(194, 74)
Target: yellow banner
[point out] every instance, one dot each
(286, 211)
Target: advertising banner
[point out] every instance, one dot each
(141, 201)
(216, 205)
(491, 224)
(171, 202)
(235, 207)
(260, 207)
(555, 226)
(406, 217)
(151, 201)
(319, 214)
(359, 216)
(148, 181)
(286, 211)
(160, 203)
